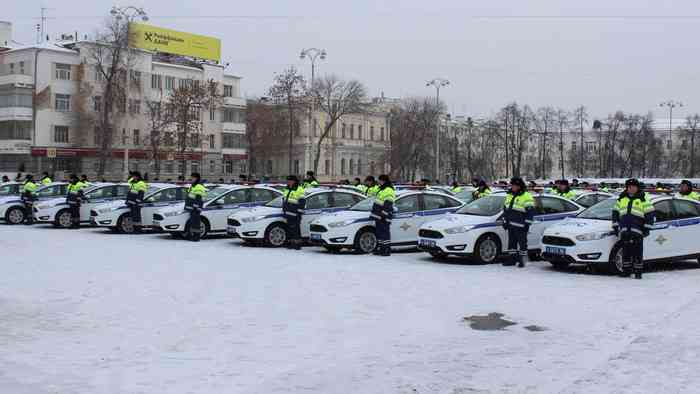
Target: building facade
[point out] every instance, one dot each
(50, 97)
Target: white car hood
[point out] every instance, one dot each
(574, 226)
(52, 201)
(255, 211)
(7, 199)
(173, 208)
(455, 220)
(341, 216)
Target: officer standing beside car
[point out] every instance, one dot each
(372, 188)
(75, 199)
(685, 191)
(194, 202)
(45, 179)
(134, 199)
(518, 215)
(382, 213)
(481, 190)
(563, 190)
(28, 197)
(293, 208)
(633, 218)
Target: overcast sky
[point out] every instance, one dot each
(605, 54)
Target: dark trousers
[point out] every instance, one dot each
(28, 212)
(75, 215)
(135, 211)
(632, 251)
(294, 226)
(383, 232)
(517, 243)
(195, 223)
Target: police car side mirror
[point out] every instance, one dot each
(149, 199)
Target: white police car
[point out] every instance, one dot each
(56, 211)
(476, 229)
(266, 224)
(116, 215)
(220, 203)
(12, 208)
(589, 199)
(354, 229)
(10, 189)
(588, 239)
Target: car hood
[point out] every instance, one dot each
(53, 201)
(173, 208)
(454, 220)
(9, 199)
(255, 211)
(341, 216)
(112, 204)
(575, 226)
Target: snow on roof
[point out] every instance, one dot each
(47, 45)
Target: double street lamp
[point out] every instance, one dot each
(670, 104)
(130, 13)
(313, 54)
(437, 83)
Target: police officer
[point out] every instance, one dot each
(46, 179)
(310, 180)
(74, 199)
(371, 186)
(456, 188)
(482, 190)
(685, 191)
(660, 188)
(134, 199)
(563, 190)
(382, 213)
(603, 187)
(292, 208)
(28, 197)
(196, 194)
(357, 182)
(518, 214)
(633, 217)
(5, 179)
(84, 180)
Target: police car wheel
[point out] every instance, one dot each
(14, 215)
(487, 249)
(615, 263)
(64, 219)
(275, 235)
(366, 241)
(125, 225)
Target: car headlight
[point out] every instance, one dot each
(252, 219)
(593, 236)
(458, 230)
(174, 213)
(341, 223)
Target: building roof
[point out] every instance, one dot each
(46, 45)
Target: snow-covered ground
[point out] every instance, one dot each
(93, 312)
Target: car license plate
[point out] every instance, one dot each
(552, 250)
(426, 243)
(316, 236)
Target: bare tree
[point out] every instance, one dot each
(562, 124)
(266, 126)
(580, 119)
(690, 130)
(412, 137)
(336, 98)
(289, 88)
(544, 123)
(160, 120)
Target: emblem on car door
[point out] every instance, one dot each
(660, 240)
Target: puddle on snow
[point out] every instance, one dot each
(535, 328)
(491, 322)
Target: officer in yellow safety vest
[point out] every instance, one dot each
(456, 188)
(382, 213)
(371, 186)
(194, 202)
(46, 179)
(482, 190)
(603, 187)
(359, 186)
(563, 190)
(75, 199)
(28, 197)
(518, 215)
(134, 199)
(84, 180)
(310, 180)
(633, 218)
(685, 190)
(293, 204)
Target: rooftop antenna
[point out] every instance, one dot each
(44, 18)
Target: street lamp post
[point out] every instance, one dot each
(670, 104)
(312, 54)
(437, 83)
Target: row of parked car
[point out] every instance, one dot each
(435, 220)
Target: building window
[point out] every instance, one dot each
(669, 144)
(371, 167)
(134, 106)
(21, 67)
(121, 104)
(342, 131)
(195, 140)
(228, 166)
(212, 166)
(352, 131)
(98, 136)
(371, 133)
(352, 167)
(156, 81)
(315, 127)
(123, 136)
(233, 141)
(15, 130)
(63, 71)
(296, 167)
(169, 166)
(212, 114)
(169, 83)
(327, 167)
(135, 78)
(212, 141)
(97, 103)
(60, 134)
(137, 136)
(269, 167)
(342, 166)
(186, 83)
(181, 167)
(194, 165)
(359, 167)
(590, 146)
(359, 132)
(228, 91)
(233, 115)
(381, 135)
(63, 102)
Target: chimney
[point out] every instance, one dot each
(5, 34)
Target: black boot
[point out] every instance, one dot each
(386, 251)
(295, 244)
(638, 275)
(626, 272)
(509, 260)
(195, 236)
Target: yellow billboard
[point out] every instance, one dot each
(152, 38)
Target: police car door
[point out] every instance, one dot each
(261, 196)
(160, 199)
(218, 210)
(315, 206)
(663, 239)
(95, 197)
(687, 215)
(342, 201)
(548, 211)
(404, 227)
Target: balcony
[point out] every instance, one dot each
(17, 79)
(234, 102)
(21, 113)
(229, 127)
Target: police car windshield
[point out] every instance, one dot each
(485, 206)
(601, 211)
(215, 192)
(49, 191)
(466, 196)
(276, 203)
(8, 189)
(364, 205)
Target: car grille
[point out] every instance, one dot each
(558, 241)
(93, 212)
(317, 228)
(430, 234)
(233, 222)
(157, 216)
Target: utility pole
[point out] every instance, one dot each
(313, 54)
(437, 83)
(670, 104)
